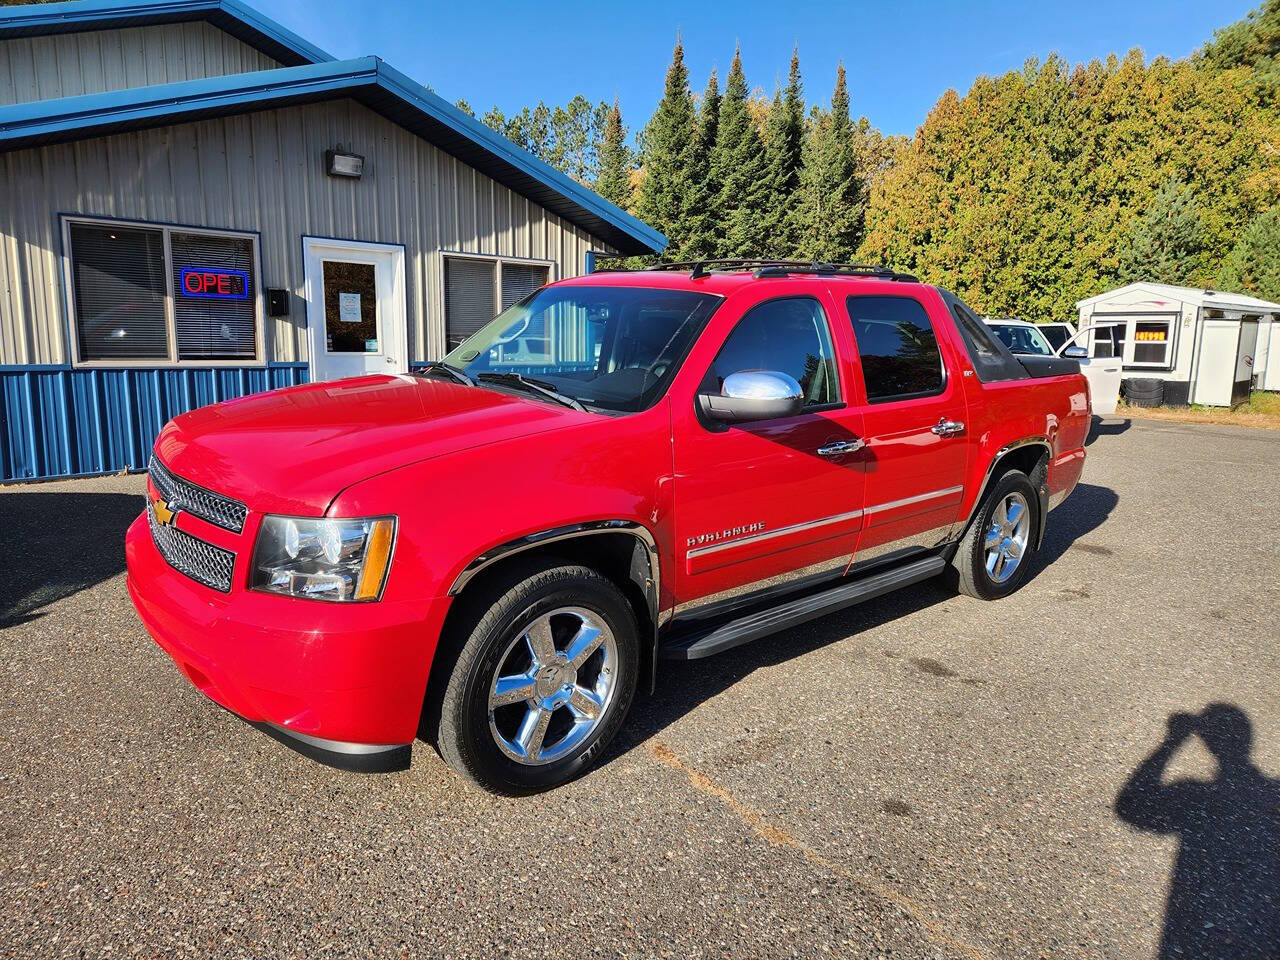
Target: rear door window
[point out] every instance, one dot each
(898, 348)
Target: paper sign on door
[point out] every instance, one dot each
(349, 307)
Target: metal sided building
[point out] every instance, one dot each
(1209, 347)
(196, 204)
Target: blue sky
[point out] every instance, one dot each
(900, 56)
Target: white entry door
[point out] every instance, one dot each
(356, 317)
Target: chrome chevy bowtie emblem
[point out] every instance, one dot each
(164, 513)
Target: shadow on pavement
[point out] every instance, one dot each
(59, 544)
(1079, 515)
(683, 685)
(1224, 893)
(1103, 428)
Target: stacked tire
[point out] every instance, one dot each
(1144, 391)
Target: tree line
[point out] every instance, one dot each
(722, 173)
(1035, 189)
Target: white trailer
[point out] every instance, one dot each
(1209, 347)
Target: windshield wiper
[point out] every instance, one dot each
(540, 387)
(439, 366)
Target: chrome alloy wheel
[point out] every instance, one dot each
(1006, 540)
(553, 685)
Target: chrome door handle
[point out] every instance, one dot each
(947, 428)
(840, 447)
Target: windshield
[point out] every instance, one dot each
(615, 348)
(1024, 340)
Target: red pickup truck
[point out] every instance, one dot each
(497, 551)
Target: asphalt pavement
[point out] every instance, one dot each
(923, 776)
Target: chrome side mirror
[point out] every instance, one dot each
(753, 395)
(1076, 353)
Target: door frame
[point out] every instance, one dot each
(313, 249)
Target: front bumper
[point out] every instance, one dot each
(342, 683)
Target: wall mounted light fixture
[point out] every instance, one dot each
(337, 164)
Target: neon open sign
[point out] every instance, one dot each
(215, 283)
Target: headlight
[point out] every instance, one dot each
(323, 559)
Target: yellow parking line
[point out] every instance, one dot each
(781, 838)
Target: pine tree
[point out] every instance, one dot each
(1167, 243)
(737, 166)
(495, 120)
(1251, 42)
(575, 140)
(701, 212)
(668, 137)
(614, 182)
(1253, 266)
(784, 149)
(831, 194)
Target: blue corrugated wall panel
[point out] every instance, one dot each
(60, 422)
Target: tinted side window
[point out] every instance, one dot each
(1056, 336)
(900, 356)
(790, 336)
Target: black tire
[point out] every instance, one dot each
(970, 560)
(1145, 401)
(497, 620)
(1143, 386)
(1144, 391)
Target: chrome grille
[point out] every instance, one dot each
(202, 562)
(197, 501)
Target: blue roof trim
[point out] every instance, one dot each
(368, 80)
(100, 114)
(242, 22)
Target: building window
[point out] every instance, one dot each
(160, 295)
(215, 309)
(1108, 341)
(120, 290)
(476, 289)
(1152, 343)
(899, 350)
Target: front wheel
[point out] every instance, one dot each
(994, 558)
(542, 683)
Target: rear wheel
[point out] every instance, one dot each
(993, 559)
(542, 683)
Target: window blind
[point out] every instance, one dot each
(519, 280)
(214, 302)
(468, 297)
(119, 289)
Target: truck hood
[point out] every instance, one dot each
(294, 450)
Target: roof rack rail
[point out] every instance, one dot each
(782, 268)
(776, 268)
